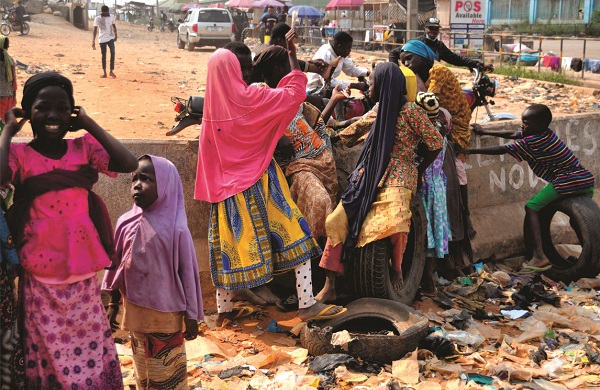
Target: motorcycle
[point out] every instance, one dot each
(171, 26)
(189, 112)
(151, 25)
(480, 94)
(10, 23)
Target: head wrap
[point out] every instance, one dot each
(36, 83)
(419, 48)
(8, 61)
(155, 252)
(240, 127)
(390, 85)
(267, 60)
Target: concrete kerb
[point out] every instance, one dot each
(498, 185)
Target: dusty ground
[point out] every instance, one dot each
(150, 70)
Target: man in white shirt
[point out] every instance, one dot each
(107, 37)
(340, 46)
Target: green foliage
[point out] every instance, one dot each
(532, 73)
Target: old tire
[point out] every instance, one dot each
(189, 46)
(370, 270)
(408, 327)
(584, 215)
(180, 43)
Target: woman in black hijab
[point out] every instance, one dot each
(376, 203)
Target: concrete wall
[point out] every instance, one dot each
(498, 185)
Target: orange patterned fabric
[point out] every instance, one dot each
(446, 87)
(314, 188)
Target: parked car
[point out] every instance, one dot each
(205, 27)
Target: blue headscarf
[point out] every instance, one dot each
(419, 48)
(390, 86)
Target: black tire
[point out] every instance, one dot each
(5, 29)
(584, 215)
(370, 269)
(180, 43)
(189, 46)
(24, 28)
(408, 325)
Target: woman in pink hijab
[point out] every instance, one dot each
(255, 229)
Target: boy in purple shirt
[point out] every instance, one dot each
(549, 158)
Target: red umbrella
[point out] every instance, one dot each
(344, 4)
(240, 3)
(190, 6)
(216, 5)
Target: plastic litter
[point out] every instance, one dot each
(274, 327)
(552, 366)
(515, 314)
(329, 362)
(439, 345)
(465, 338)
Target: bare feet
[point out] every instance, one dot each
(265, 293)
(112, 74)
(397, 280)
(539, 262)
(327, 294)
(246, 294)
(103, 76)
(316, 311)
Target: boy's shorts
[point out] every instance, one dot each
(548, 195)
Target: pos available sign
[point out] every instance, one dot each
(468, 17)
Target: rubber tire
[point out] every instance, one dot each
(370, 270)
(188, 45)
(5, 29)
(369, 347)
(180, 43)
(584, 214)
(24, 28)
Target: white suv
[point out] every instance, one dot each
(205, 27)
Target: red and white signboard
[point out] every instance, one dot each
(468, 17)
(468, 11)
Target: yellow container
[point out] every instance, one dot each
(411, 83)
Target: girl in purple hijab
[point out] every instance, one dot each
(157, 274)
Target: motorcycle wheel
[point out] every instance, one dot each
(5, 29)
(24, 28)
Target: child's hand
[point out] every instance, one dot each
(290, 38)
(112, 311)
(79, 119)
(191, 329)
(337, 94)
(13, 124)
(477, 129)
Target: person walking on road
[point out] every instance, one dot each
(107, 37)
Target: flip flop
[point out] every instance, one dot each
(322, 316)
(241, 311)
(533, 268)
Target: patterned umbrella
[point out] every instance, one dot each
(306, 11)
(240, 3)
(344, 4)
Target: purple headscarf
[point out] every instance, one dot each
(157, 267)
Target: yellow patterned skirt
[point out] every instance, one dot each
(258, 233)
(389, 214)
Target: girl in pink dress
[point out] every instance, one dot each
(63, 235)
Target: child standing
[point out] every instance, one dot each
(549, 158)
(62, 234)
(157, 275)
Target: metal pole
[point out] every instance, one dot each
(157, 10)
